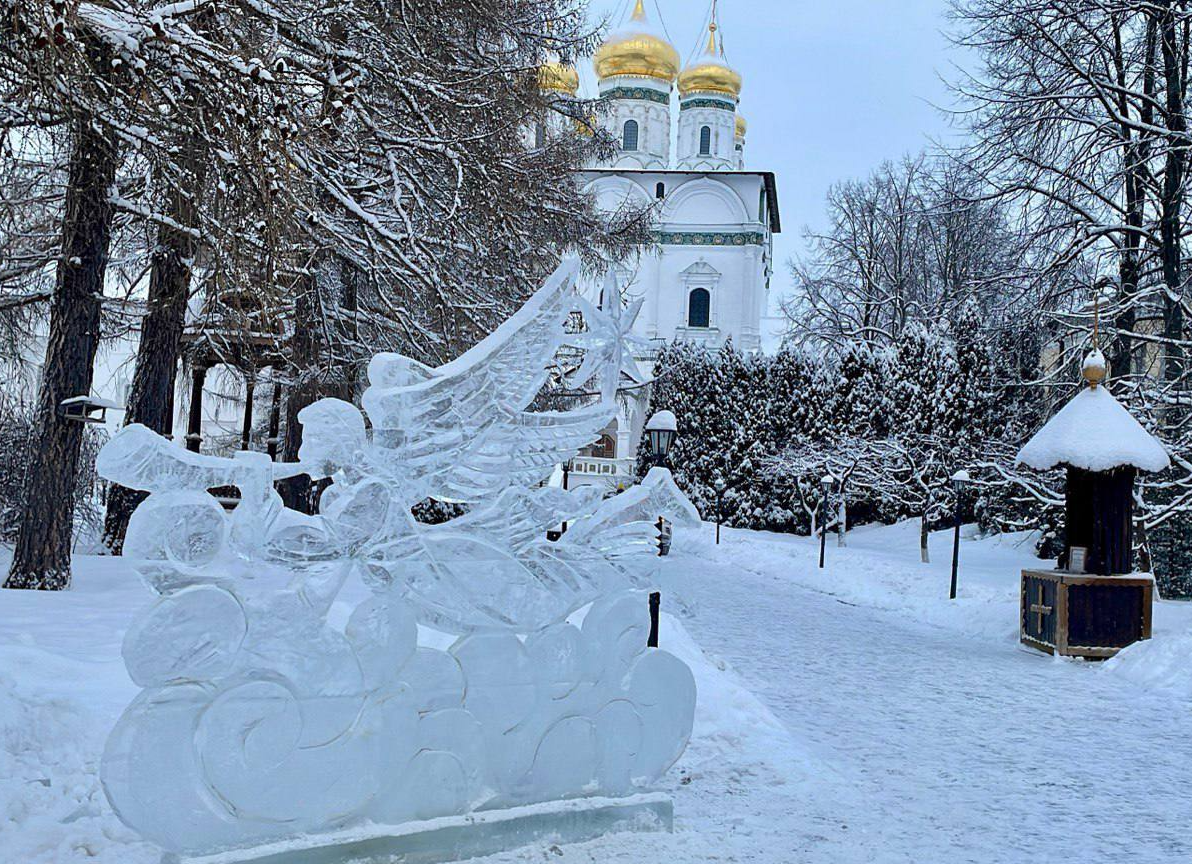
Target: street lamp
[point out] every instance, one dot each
(960, 481)
(661, 430)
(827, 482)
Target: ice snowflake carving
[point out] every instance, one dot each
(261, 719)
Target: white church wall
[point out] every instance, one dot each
(720, 123)
(709, 220)
(647, 102)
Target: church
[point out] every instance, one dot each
(707, 278)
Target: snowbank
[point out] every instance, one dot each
(64, 685)
(1161, 663)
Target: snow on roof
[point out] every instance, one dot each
(1096, 433)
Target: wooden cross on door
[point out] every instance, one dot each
(1040, 609)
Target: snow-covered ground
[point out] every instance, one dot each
(852, 714)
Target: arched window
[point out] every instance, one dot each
(699, 308)
(539, 135)
(629, 136)
(705, 140)
(603, 448)
(660, 190)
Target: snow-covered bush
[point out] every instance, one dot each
(891, 425)
(16, 433)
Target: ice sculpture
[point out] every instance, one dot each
(259, 720)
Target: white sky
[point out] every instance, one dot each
(832, 88)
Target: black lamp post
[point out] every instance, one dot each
(720, 487)
(566, 475)
(960, 481)
(661, 430)
(827, 482)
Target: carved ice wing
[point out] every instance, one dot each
(515, 355)
(494, 567)
(139, 458)
(521, 517)
(461, 430)
(522, 453)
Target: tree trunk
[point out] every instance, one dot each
(296, 491)
(194, 414)
(320, 369)
(274, 418)
(41, 558)
(151, 400)
(924, 553)
(250, 388)
(1135, 156)
(842, 523)
(1172, 201)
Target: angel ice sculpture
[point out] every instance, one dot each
(260, 720)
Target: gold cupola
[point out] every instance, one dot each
(710, 73)
(637, 51)
(739, 128)
(557, 77)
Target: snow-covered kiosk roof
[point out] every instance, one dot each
(1094, 432)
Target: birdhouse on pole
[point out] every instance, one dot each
(1093, 604)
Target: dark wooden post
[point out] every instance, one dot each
(194, 423)
(955, 551)
(274, 419)
(823, 526)
(566, 477)
(719, 513)
(250, 386)
(655, 603)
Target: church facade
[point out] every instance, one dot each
(682, 152)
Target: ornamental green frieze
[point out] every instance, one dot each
(707, 103)
(721, 238)
(643, 93)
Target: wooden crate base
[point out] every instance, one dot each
(1084, 615)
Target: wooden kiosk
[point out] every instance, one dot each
(1093, 604)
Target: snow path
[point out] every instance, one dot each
(952, 747)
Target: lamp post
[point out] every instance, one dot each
(661, 430)
(720, 487)
(960, 481)
(827, 482)
(566, 474)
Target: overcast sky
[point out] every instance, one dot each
(832, 87)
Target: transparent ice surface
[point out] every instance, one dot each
(259, 721)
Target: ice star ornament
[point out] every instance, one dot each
(259, 720)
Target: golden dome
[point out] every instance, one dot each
(740, 126)
(710, 74)
(558, 77)
(1094, 369)
(637, 52)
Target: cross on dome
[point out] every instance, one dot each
(710, 72)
